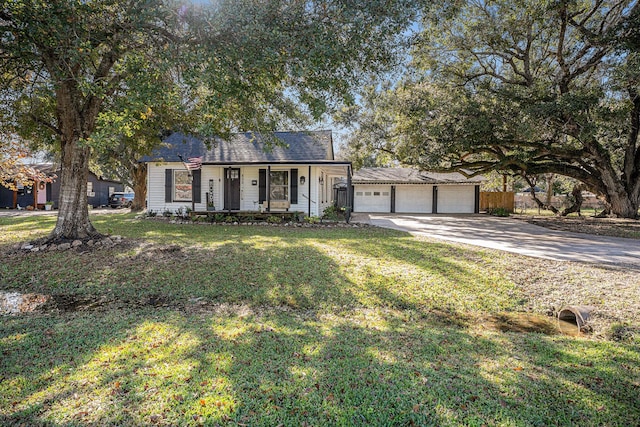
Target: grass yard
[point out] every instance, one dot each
(253, 325)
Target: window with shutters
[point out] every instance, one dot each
(279, 185)
(181, 186)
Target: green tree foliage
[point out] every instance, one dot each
(86, 75)
(527, 88)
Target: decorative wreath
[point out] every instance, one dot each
(41, 185)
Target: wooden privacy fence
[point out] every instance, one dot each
(495, 199)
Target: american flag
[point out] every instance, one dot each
(193, 163)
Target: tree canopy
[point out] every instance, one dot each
(523, 88)
(76, 74)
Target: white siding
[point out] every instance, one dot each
(249, 193)
(414, 198)
(324, 196)
(212, 175)
(312, 191)
(456, 198)
(155, 189)
(303, 190)
(372, 198)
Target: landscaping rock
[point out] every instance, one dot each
(15, 302)
(76, 243)
(64, 246)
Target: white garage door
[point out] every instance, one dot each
(372, 198)
(456, 198)
(414, 198)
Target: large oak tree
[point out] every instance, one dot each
(528, 88)
(73, 69)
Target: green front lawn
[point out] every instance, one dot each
(249, 325)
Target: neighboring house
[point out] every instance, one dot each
(404, 190)
(246, 173)
(98, 191)
(35, 195)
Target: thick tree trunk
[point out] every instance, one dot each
(73, 214)
(621, 203)
(622, 206)
(139, 174)
(619, 195)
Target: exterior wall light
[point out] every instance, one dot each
(302, 180)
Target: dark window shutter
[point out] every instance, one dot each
(262, 185)
(294, 186)
(197, 186)
(168, 185)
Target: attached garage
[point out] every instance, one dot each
(414, 198)
(405, 190)
(456, 199)
(373, 198)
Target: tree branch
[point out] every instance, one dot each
(45, 124)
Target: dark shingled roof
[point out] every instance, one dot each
(248, 148)
(409, 176)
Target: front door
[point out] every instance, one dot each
(232, 189)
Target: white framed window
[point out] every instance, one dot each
(90, 192)
(367, 193)
(358, 193)
(181, 186)
(279, 185)
(376, 193)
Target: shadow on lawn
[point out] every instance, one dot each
(270, 368)
(287, 337)
(273, 268)
(261, 270)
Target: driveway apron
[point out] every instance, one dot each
(511, 235)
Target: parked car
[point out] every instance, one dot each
(121, 200)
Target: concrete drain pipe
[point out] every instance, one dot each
(578, 314)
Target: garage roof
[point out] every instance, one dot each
(410, 176)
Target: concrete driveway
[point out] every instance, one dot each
(512, 235)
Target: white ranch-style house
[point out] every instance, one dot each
(292, 171)
(296, 172)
